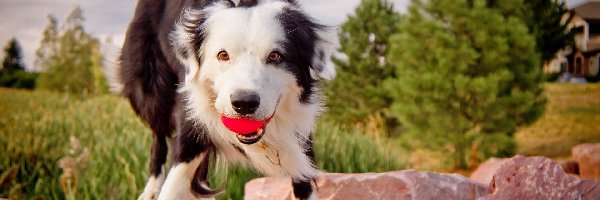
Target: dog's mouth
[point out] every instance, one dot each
(248, 131)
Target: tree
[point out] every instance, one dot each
(355, 95)
(466, 77)
(70, 57)
(49, 45)
(12, 71)
(548, 20)
(13, 57)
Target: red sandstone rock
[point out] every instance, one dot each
(517, 178)
(269, 188)
(539, 178)
(485, 172)
(408, 184)
(588, 158)
(570, 166)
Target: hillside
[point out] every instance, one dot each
(572, 117)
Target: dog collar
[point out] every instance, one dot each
(268, 151)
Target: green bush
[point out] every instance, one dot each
(552, 77)
(18, 79)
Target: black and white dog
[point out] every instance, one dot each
(233, 81)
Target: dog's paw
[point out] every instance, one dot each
(148, 196)
(313, 196)
(152, 188)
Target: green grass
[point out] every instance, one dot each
(36, 127)
(572, 117)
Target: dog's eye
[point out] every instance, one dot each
(274, 57)
(223, 56)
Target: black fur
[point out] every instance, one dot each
(149, 81)
(300, 36)
(191, 142)
(303, 189)
(248, 3)
(150, 74)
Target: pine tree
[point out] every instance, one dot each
(355, 95)
(71, 58)
(12, 71)
(12, 57)
(548, 20)
(466, 75)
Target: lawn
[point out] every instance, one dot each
(572, 117)
(105, 148)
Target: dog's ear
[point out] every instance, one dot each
(324, 48)
(303, 33)
(188, 34)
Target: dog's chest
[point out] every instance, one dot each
(262, 156)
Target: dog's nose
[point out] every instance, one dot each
(245, 102)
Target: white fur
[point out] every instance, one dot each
(111, 72)
(327, 43)
(153, 186)
(249, 35)
(178, 183)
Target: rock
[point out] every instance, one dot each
(407, 184)
(269, 188)
(485, 172)
(516, 178)
(571, 167)
(539, 178)
(588, 158)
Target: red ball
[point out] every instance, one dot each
(243, 126)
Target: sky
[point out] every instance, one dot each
(26, 19)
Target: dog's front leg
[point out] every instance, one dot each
(179, 181)
(303, 190)
(187, 177)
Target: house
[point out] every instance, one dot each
(583, 60)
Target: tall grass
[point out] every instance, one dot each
(36, 130)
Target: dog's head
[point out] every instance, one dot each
(245, 61)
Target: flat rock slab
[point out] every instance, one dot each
(269, 188)
(539, 178)
(407, 184)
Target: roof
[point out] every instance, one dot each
(588, 9)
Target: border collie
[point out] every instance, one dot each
(228, 81)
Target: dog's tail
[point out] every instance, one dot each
(113, 76)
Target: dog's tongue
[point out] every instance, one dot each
(242, 126)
